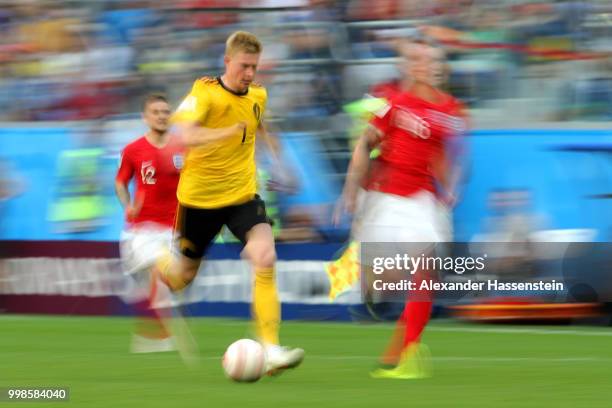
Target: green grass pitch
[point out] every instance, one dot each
(475, 366)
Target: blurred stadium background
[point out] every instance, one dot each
(536, 76)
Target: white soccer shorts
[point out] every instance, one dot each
(142, 245)
(390, 218)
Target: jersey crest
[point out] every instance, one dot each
(147, 172)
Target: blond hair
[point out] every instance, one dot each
(242, 41)
(154, 97)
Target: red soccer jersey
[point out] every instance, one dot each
(156, 173)
(414, 135)
(386, 90)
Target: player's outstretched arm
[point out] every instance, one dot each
(193, 135)
(358, 167)
(132, 208)
(123, 194)
(271, 141)
(449, 167)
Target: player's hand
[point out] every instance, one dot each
(449, 200)
(345, 205)
(131, 212)
(240, 126)
(237, 129)
(282, 179)
(133, 209)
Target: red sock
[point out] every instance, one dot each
(410, 326)
(415, 317)
(150, 323)
(417, 311)
(411, 323)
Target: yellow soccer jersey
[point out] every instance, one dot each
(223, 173)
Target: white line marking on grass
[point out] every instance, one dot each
(453, 359)
(525, 359)
(521, 331)
(440, 328)
(479, 359)
(383, 326)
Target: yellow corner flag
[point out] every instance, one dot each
(343, 273)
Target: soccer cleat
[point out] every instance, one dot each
(281, 358)
(415, 363)
(141, 344)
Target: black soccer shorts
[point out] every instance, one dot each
(196, 228)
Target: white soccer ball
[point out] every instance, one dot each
(244, 360)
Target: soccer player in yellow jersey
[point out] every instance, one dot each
(218, 121)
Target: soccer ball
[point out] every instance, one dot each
(244, 361)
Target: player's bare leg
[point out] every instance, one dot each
(175, 272)
(266, 308)
(151, 335)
